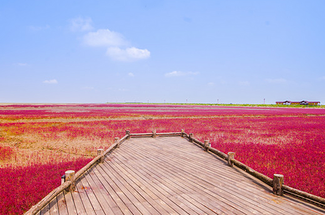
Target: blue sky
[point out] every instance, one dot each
(162, 51)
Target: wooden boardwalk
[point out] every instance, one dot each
(169, 175)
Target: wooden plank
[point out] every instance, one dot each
(138, 186)
(46, 200)
(138, 168)
(124, 194)
(80, 209)
(84, 197)
(145, 191)
(302, 210)
(153, 156)
(92, 197)
(148, 206)
(62, 204)
(70, 204)
(204, 163)
(185, 154)
(118, 191)
(186, 205)
(105, 196)
(143, 206)
(203, 174)
(54, 207)
(110, 191)
(166, 203)
(97, 192)
(191, 183)
(199, 166)
(205, 203)
(45, 210)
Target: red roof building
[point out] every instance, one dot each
(297, 102)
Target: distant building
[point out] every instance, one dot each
(298, 103)
(283, 103)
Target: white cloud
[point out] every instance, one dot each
(53, 81)
(128, 54)
(105, 38)
(118, 48)
(211, 84)
(174, 74)
(80, 24)
(276, 81)
(130, 74)
(180, 73)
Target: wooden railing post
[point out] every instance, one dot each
(154, 134)
(183, 131)
(231, 155)
(101, 152)
(206, 145)
(127, 132)
(277, 184)
(70, 176)
(116, 140)
(191, 137)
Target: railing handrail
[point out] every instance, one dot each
(267, 180)
(36, 208)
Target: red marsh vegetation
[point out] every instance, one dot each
(38, 143)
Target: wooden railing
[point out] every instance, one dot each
(277, 182)
(69, 184)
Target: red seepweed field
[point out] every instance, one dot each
(38, 143)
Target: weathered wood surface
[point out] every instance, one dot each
(45, 201)
(242, 166)
(169, 175)
(317, 200)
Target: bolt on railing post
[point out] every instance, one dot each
(154, 134)
(191, 137)
(101, 152)
(70, 176)
(277, 184)
(231, 155)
